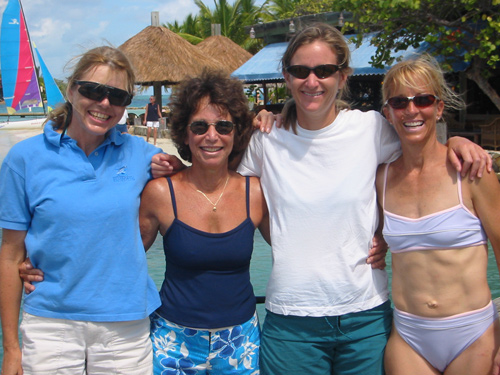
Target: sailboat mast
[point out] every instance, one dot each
(33, 58)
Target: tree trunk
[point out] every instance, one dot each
(474, 74)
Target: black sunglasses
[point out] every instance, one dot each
(420, 101)
(223, 127)
(320, 71)
(98, 91)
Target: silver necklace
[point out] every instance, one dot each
(214, 209)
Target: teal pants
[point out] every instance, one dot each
(350, 344)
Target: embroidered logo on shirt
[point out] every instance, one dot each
(121, 175)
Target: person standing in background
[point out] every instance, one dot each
(152, 118)
(122, 124)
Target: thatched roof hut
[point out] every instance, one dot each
(229, 55)
(161, 56)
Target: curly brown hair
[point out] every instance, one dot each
(224, 92)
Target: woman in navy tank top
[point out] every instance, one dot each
(207, 216)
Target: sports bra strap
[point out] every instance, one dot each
(172, 196)
(459, 185)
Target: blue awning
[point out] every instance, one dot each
(264, 66)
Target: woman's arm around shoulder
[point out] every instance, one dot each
(155, 212)
(378, 251)
(485, 194)
(163, 164)
(258, 210)
(379, 182)
(468, 157)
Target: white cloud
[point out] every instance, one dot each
(172, 11)
(49, 28)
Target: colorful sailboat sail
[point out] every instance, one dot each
(19, 77)
(54, 96)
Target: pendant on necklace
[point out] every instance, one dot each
(214, 209)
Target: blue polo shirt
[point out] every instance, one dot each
(81, 215)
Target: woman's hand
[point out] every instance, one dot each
(12, 362)
(265, 121)
(29, 274)
(376, 255)
(468, 157)
(165, 165)
(496, 364)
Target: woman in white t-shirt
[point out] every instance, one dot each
(328, 310)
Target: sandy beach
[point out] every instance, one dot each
(8, 138)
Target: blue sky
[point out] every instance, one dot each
(62, 29)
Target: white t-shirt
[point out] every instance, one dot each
(124, 118)
(320, 190)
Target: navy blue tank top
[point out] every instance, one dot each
(207, 276)
(152, 112)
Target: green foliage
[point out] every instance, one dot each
(456, 30)
(449, 26)
(232, 19)
(62, 85)
(281, 9)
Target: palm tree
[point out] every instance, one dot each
(281, 9)
(189, 30)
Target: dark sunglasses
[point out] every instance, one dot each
(320, 71)
(420, 101)
(223, 127)
(98, 91)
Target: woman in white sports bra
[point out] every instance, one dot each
(437, 225)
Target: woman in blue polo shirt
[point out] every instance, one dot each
(70, 200)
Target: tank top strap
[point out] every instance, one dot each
(386, 169)
(459, 187)
(172, 195)
(247, 178)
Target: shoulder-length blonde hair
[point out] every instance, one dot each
(417, 69)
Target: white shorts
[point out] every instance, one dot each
(70, 347)
(153, 124)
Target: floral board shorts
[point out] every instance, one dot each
(179, 350)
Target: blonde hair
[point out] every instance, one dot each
(336, 41)
(104, 55)
(412, 72)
